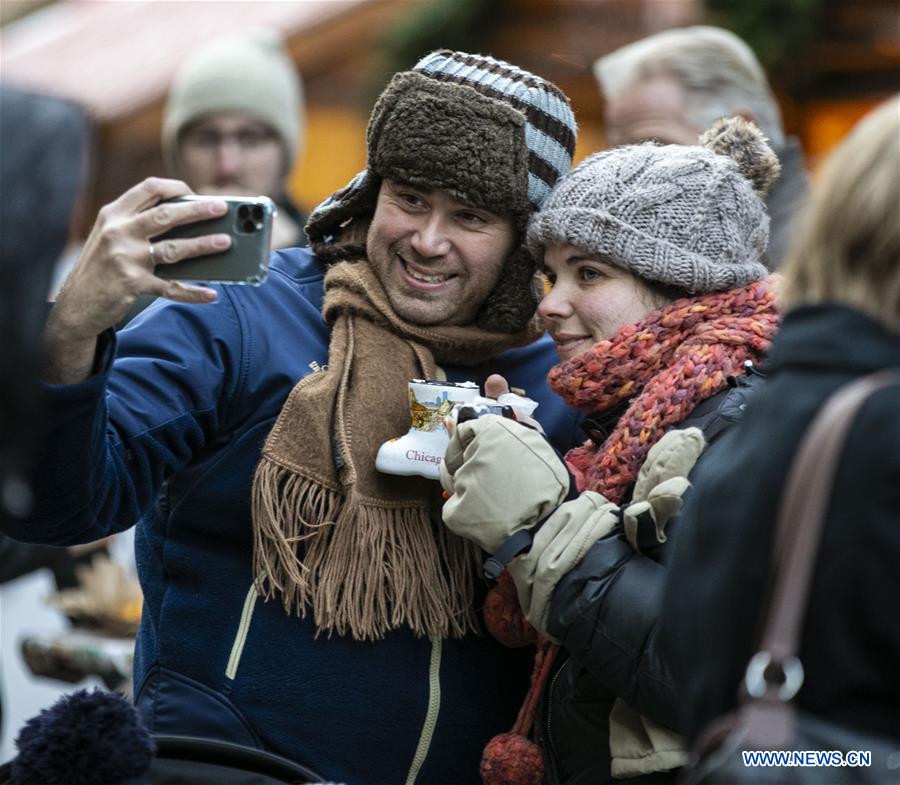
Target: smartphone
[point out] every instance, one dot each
(248, 222)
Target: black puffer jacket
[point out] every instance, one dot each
(606, 613)
(850, 646)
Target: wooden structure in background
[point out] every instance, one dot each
(852, 66)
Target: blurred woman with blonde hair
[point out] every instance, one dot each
(842, 301)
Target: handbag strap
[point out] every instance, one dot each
(800, 522)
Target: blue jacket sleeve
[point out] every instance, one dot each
(160, 393)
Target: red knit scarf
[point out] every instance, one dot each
(665, 365)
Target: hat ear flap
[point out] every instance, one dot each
(512, 303)
(325, 225)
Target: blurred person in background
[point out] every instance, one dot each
(42, 162)
(233, 124)
(43, 150)
(842, 299)
(671, 86)
(239, 437)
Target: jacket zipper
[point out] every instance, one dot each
(431, 715)
(552, 774)
(237, 648)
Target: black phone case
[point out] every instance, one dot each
(248, 222)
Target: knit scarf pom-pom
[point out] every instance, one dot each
(511, 759)
(504, 618)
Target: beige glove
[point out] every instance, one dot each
(638, 745)
(662, 481)
(566, 536)
(502, 476)
(559, 545)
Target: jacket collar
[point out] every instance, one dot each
(834, 336)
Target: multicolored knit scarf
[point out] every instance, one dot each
(365, 550)
(665, 365)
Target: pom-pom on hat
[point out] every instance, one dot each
(240, 72)
(490, 134)
(86, 738)
(691, 217)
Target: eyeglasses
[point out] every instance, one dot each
(210, 139)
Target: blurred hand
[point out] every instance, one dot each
(495, 386)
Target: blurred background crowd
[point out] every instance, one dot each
(829, 62)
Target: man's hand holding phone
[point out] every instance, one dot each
(249, 223)
(117, 264)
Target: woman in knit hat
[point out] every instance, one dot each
(658, 304)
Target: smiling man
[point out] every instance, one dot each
(438, 258)
(240, 436)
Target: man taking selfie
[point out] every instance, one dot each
(240, 437)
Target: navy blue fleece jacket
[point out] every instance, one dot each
(166, 435)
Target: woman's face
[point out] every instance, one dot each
(590, 299)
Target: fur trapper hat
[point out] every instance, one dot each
(488, 133)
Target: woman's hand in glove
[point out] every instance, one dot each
(576, 526)
(502, 476)
(661, 484)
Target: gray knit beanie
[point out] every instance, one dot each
(690, 217)
(490, 134)
(248, 72)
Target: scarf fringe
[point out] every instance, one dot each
(393, 572)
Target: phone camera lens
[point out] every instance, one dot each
(244, 211)
(249, 226)
(257, 214)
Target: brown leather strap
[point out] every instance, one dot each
(803, 509)
(765, 718)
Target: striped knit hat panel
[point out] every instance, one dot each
(550, 128)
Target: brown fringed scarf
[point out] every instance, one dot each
(365, 550)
